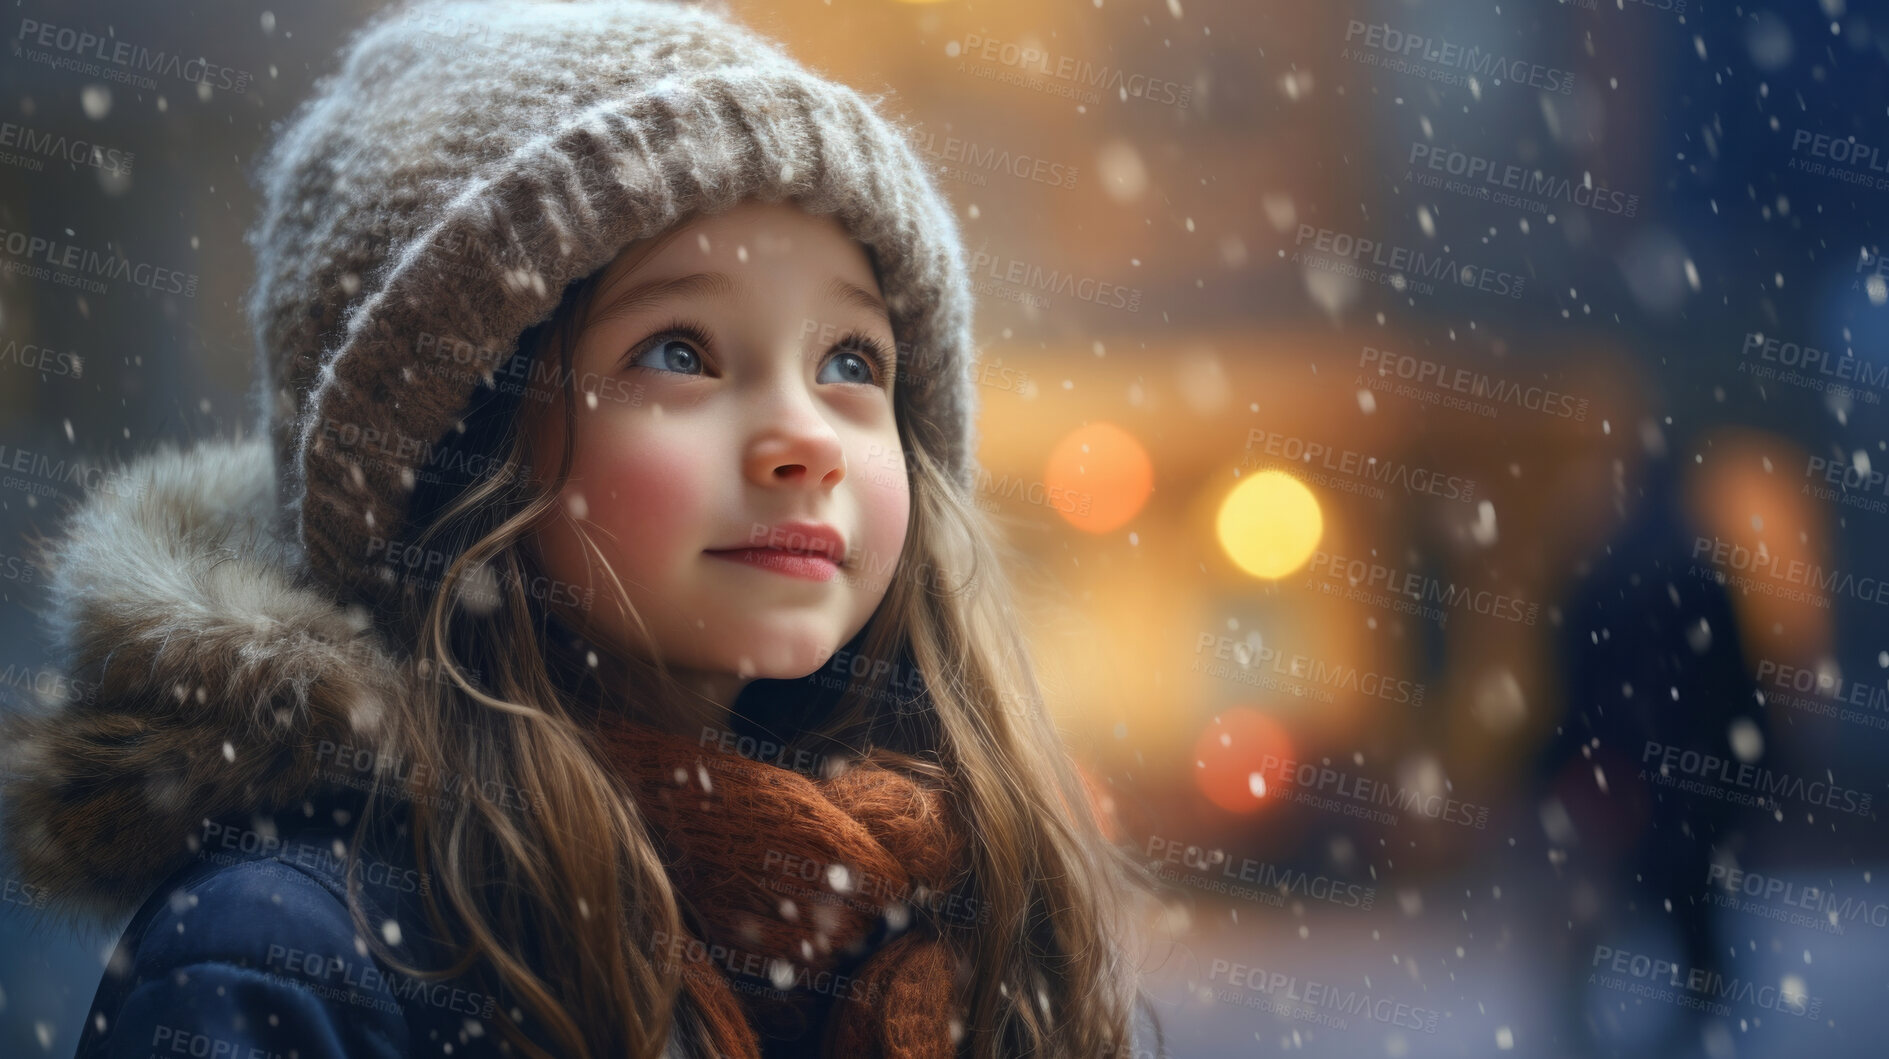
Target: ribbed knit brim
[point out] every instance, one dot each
(469, 160)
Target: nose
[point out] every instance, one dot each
(797, 446)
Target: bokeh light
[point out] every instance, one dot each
(1270, 524)
(1098, 477)
(1231, 755)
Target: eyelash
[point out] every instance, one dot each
(856, 341)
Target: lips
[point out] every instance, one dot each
(811, 550)
(795, 538)
(793, 564)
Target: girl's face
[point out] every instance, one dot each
(734, 438)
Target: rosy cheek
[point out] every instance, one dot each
(884, 509)
(646, 491)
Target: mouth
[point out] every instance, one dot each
(814, 551)
(804, 565)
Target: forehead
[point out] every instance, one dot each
(751, 236)
(755, 254)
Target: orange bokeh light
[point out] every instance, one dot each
(1229, 755)
(1098, 477)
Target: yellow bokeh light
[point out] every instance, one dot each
(1270, 524)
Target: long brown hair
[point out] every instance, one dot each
(567, 857)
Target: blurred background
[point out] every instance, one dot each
(1442, 438)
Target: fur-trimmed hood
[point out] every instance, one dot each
(199, 672)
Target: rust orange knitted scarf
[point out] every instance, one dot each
(818, 897)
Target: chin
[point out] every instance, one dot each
(787, 656)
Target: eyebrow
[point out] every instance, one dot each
(648, 295)
(852, 294)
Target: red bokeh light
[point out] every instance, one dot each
(1229, 755)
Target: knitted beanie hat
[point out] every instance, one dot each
(472, 158)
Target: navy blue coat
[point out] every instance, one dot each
(249, 952)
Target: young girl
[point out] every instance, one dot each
(599, 653)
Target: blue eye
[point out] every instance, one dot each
(857, 369)
(676, 348)
(874, 362)
(672, 354)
